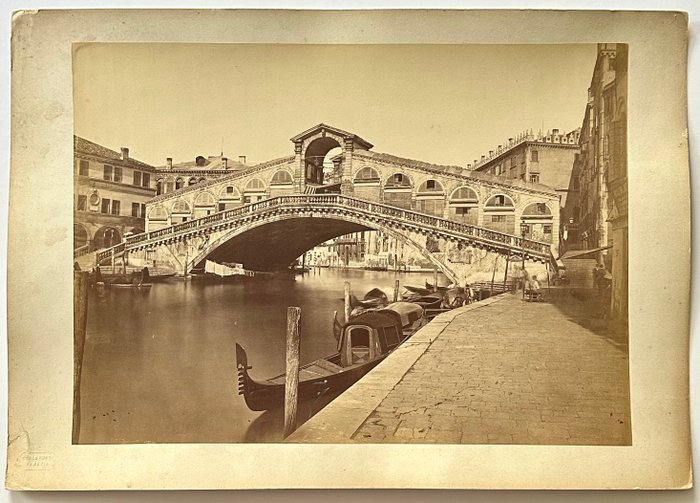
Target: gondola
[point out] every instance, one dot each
(364, 341)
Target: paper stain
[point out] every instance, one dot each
(55, 235)
(54, 111)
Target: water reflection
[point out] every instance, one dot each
(159, 364)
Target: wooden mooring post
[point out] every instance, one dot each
(80, 304)
(435, 280)
(346, 300)
(396, 290)
(291, 385)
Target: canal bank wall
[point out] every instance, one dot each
(502, 371)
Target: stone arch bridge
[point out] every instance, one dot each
(269, 214)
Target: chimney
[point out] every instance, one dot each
(483, 157)
(490, 153)
(224, 160)
(555, 132)
(241, 159)
(510, 141)
(169, 162)
(469, 166)
(125, 153)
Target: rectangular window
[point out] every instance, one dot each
(84, 168)
(462, 211)
(107, 175)
(137, 178)
(116, 206)
(541, 208)
(513, 161)
(547, 229)
(524, 229)
(105, 205)
(229, 190)
(498, 218)
(430, 185)
(146, 180)
(143, 211)
(82, 203)
(535, 156)
(535, 178)
(134, 209)
(117, 174)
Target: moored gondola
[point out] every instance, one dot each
(363, 343)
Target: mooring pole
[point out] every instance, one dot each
(493, 275)
(435, 279)
(346, 300)
(291, 384)
(505, 276)
(396, 290)
(80, 303)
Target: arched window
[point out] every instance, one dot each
(537, 210)
(179, 183)
(181, 208)
(80, 236)
(229, 192)
(463, 196)
(367, 175)
(282, 177)
(500, 201)
(398, 181)
(255, 185)
(158, 212)
(192, 181)
(159, 186)
(202, 179)
(430, 187)
(204, 199)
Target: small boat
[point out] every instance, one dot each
(363, 342)
(372, 299)
(417, 290)
(131, 285)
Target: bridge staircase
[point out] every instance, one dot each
(369, 213)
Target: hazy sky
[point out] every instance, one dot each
(437, 103)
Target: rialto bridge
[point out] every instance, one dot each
(269, 214)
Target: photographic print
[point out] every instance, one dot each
(310, 249)
(218, 185)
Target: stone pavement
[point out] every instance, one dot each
(501, 371)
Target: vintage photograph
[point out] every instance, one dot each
(350, 244)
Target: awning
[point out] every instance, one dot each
(588, 252)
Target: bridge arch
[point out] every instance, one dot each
(464, 205)
(536, 220)
(398, 189)
(315, 153)
(499, 214)
(255, 190)
(235, 245)
(204, 204)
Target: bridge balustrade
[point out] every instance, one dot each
(304, 201)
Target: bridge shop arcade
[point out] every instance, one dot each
(440, 210)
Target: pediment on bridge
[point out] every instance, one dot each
(321, 130)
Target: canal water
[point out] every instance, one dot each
(160, 366)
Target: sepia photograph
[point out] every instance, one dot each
(341, 249)
(426, 242)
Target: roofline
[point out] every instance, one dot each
(339, 131)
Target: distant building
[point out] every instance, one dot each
(110, 189)
(171, 177)
(602, 169)
(546, 159)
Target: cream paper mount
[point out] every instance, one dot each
(41, 454)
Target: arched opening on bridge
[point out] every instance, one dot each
(181, 212)
(192, 181)
(81, 236)
(430, 198)
(229, 198)
(318, 157)
(159, 186)
(179, 183)
(157, 218)
(397, 190)
(254, 191)
(106, 237)
(204, 204)
(536, 220)
(281, 177)
(464, 204)
(499, 214)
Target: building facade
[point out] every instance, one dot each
(110, 194)
(602, 170)
(171, 177)
(546, 159)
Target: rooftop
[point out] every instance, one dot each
(88, 147)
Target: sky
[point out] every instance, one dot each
(445, 104)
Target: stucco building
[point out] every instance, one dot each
(110, 194)
(546, 159)
(171, 177)
(602, 170)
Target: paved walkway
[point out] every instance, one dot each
(502, 371)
